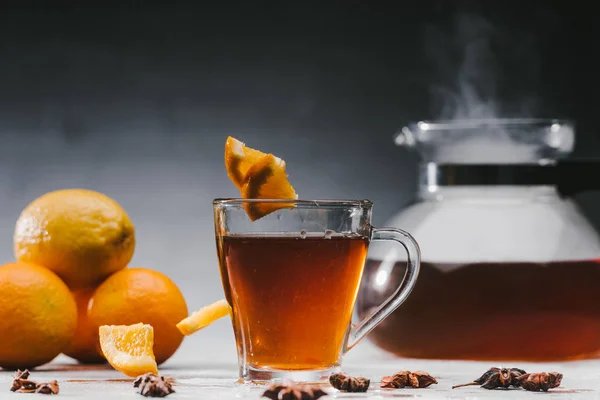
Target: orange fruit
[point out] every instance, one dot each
(85, 345)
(267, 179)
(82, 235)
(129, 348)
(38, 315)
(204, 317)
(136, 295)
(238, 160)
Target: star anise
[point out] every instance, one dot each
(347, 383)
(496, 378)
(152, 385)
(539, 381)
(22, 374)
(21, 384)
(18, 380)
(289, 390)
(400, 379)
(47, 388)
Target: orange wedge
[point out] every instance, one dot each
(204, 317)
(258, 176)
(267, 179)
(238, 160)
(128, 348)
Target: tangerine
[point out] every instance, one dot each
(38, 314)
(141, 295)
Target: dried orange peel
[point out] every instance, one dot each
(258, 176)
(129, 348)
(204, 317)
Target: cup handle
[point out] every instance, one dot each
(360, 330)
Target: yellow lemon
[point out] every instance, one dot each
(81, 235)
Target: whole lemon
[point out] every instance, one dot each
(38, 315)
(136, 295)
(85, 345)
(82, 235)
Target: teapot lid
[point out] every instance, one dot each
(529, 141)
(499, 152)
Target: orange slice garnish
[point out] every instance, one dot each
(238, 160)
(258, 176)
(267, 179)
(129, 348)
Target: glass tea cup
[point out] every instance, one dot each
(292, 278)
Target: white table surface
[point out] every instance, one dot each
(209, 371)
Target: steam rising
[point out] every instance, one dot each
(482, 69)
(486, 69)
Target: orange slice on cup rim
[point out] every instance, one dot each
(258, 176)
(239, 158)
(267, 179)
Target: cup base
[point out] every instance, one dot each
(268, 375)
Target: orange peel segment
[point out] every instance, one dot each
(204, 317)
(267, 179)
(129, 348)
(258, 176)
(238, 160)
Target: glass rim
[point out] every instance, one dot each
(296, 202)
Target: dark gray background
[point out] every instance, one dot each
(135, 99)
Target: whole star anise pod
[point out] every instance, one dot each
(347, 383)
(152, 385)
(400, 379)
(496, 378)
(289, 390)
(537, 382)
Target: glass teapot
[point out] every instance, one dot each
(510, 267)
